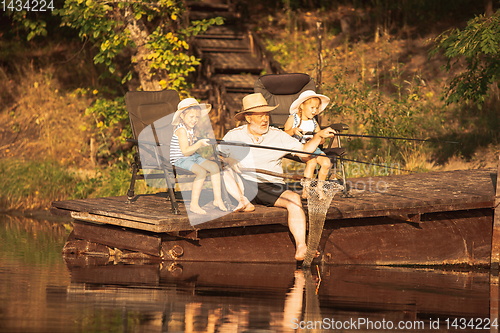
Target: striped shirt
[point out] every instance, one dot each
(175, 149)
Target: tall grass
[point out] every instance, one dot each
(33, 185)
(45, 152)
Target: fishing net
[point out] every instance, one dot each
(319, 196)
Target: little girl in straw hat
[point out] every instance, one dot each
(301, 120)
(183, 147)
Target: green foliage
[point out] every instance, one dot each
(108, 25)
(112, 125)
(33, 24)
(479, 45)
(403, 114)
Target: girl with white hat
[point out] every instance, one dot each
(301, 120)
(183, 147)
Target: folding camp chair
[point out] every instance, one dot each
(283, 89)
(150, 114)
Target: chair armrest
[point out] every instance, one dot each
(339, 127)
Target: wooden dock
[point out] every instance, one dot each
(420, 219)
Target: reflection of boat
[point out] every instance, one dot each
(421, 219)
(344, 292)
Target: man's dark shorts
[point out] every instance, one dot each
(267, 193)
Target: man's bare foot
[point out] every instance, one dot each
(197, 209)
(220, 205)
(300, 253)
(240, 207)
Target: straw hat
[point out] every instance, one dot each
(186, 104)
(304, 96)
(254, 103)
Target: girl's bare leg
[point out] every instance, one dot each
(200, 174)
(213, 168)
(308, 173)
(310, 167)
(325, 164)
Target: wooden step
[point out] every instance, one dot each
(226, 63)
(231, 32)
(221, 45)
(241, 82)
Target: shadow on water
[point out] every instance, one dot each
(40, 291)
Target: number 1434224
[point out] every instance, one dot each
(27, 5)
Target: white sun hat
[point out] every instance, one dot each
(186, 104)
(304, 96)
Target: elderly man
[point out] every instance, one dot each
(265, 189)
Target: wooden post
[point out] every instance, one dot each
(495, 242)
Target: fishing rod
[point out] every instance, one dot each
(387, 137)
(337, 152)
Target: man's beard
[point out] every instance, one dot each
(258, 129)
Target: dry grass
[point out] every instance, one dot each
(42, 122)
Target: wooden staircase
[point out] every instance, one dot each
(232, 59)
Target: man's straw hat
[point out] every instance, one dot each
(304, 96)
(254, 103)
(186, 104)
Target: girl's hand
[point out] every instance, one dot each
(298, 132)
(203, 142)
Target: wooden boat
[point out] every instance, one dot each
(436, 218)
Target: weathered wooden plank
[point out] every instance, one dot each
(461, 237)
(221, 32)
(405, 194)
(234, 62)
(221, 45)
(270, 243)
(235, 82)
(119, 238)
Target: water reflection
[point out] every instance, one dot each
(42, 291)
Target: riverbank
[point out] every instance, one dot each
(52, 148)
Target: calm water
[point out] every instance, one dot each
(40, 291)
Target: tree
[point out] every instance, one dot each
(478, 44)
(156, 32)
(154, 35)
